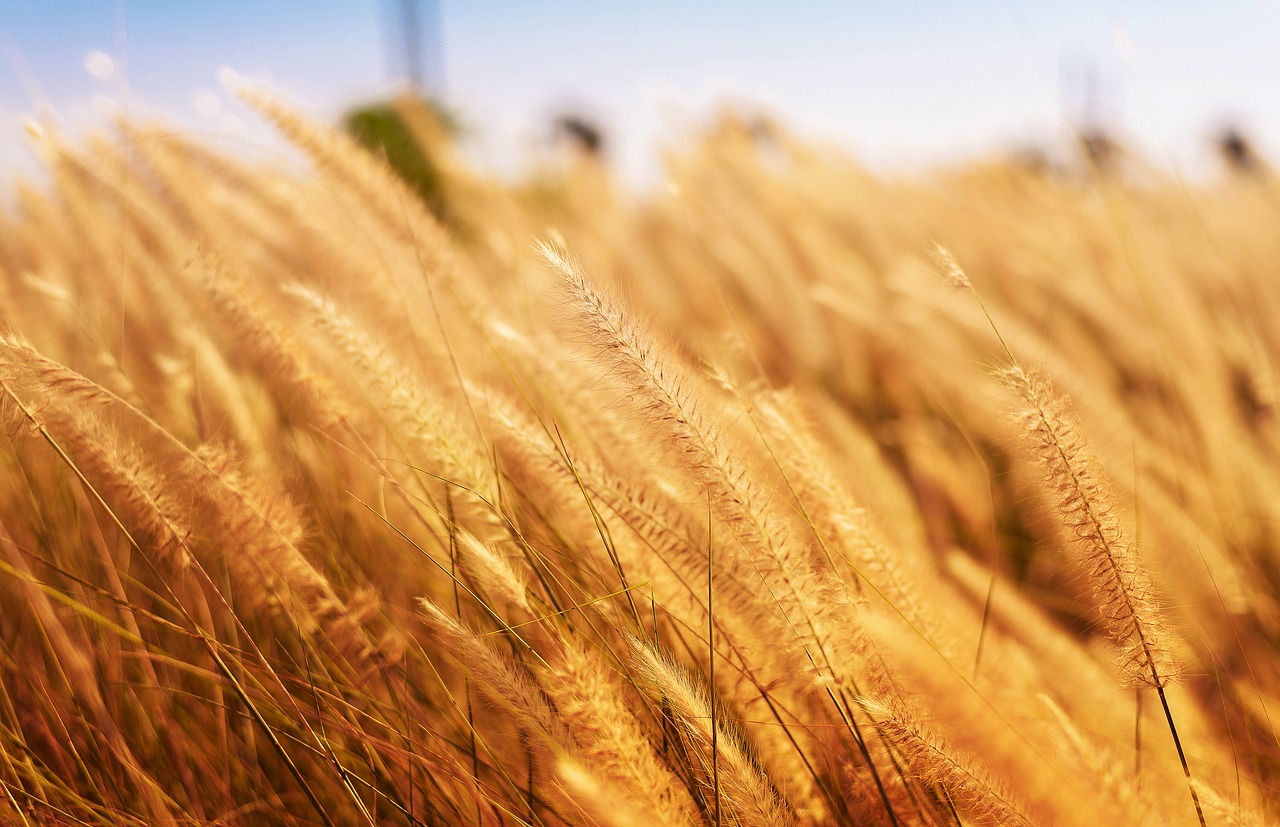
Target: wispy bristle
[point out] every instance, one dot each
(950, 268)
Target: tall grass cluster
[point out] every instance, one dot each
(788, 495)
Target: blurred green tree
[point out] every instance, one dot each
(381, 128)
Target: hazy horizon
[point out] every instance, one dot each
(898, 87)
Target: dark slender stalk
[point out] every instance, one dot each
(986, 617)
(466, 679)
(711, 668)
(847, 712)
(1182, 756)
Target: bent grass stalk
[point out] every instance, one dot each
(1125, 596)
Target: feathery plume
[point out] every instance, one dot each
(744, 789)
(967, 785)
(951, 268)
(1125, 596)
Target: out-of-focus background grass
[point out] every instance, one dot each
(901, 85)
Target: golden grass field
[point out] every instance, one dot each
(788, 495)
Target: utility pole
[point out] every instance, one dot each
(412, 44)
(414, 36)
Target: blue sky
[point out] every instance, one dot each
(899, 83)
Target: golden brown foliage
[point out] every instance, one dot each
(588, 508)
